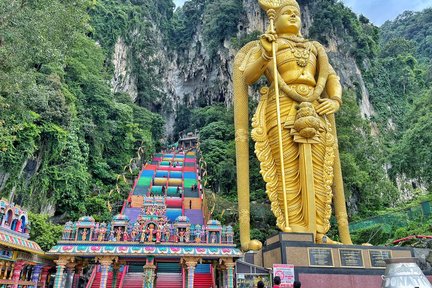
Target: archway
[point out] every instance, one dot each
(23, 223)
(14, 224)
(9, 217)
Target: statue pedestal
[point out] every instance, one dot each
(325, 265)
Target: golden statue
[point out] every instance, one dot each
(293, 128)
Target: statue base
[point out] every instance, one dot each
(327, 265)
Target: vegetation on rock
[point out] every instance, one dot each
(64, 135)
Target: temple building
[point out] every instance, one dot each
(163, 236)
(22, 262)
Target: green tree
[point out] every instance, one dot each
(221, 18)
(43, 232)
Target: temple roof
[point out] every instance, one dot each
(15, 241)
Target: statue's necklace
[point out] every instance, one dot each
(302, 54)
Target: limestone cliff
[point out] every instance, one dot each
(193, 76)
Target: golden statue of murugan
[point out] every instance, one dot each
(293, 128)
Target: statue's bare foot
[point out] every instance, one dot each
(252, 245)
(324, 239)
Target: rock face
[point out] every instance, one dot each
(192, 78)
(123, 80)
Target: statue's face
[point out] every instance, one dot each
(288, 20)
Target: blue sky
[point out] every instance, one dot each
(378, 11)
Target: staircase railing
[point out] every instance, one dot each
(212, 271)
(122, 276)
(183, 278)
(183, 186)
(168, 177)
(133, 188)
(92, 276)
(124, 206)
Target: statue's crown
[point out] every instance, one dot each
(276, 4)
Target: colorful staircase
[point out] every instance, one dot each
(203, 281)
(133, 280)
(195, 216)
(97, 280)
(169, 275)
(203, 276)
(173, 176)
(132, 213)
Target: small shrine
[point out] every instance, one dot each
(22, 262)
(182, 229)
(119, 228)
(84, 228)
(214, 232)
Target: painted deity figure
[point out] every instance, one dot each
(198, 234)
(101, 234)
(111, 236)
(143, 235)
(187, 235)
(181, 235)
(84, 234)
(293, 127)
(118, 234)
(213, 238)
(134, 233)
(158, 235)
(150, 232)
(167, 232)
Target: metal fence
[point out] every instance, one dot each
(395, 219)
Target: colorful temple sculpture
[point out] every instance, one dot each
(163, 236)
(22, 262)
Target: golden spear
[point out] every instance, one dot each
(269, 7)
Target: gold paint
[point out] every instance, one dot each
(293, 129)
(241, 136)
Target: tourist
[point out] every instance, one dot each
(297, 284)
(260, 284)
(276, 282)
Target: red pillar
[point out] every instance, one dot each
(19, 265)
(44, 275)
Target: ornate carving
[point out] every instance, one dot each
(106, 260)
(63, 260)
(190, 262)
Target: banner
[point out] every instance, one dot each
(286, 274)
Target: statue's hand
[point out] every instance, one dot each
(327, 106)
(266, 41)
